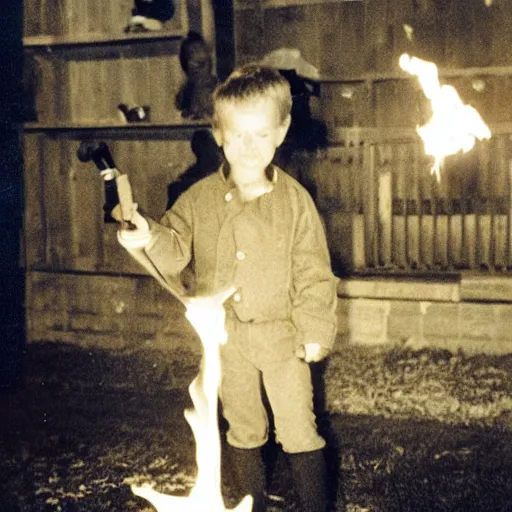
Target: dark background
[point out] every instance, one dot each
(11, 197)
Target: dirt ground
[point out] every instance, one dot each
(407, 431)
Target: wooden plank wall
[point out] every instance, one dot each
(64, 228)
(347, 41)
(74, 89)
(328, 35)
(75, 85)
(377, 194)
(384, 209)
(344, 40)
(86, 17)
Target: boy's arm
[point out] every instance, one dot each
(314, 284)
(167, 244)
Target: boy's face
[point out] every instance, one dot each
(249, 134)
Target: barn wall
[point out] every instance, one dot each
(347, 37)
(365, 99)
(82, 288)
(64, 227)
(369, 104)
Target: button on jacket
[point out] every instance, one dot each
(272, 249)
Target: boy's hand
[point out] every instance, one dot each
(137, 237)
(311, 352)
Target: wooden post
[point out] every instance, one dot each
(384, 202)
(413, 213)
(398, 193)
(509, 216)
(369, 207)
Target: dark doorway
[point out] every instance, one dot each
(12, 321)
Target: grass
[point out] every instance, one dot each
(426, 384)
(407, 430)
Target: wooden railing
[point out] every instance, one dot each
(384, 210)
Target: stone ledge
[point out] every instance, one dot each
(469, 288)
(371, 310)
(486, 288)
(399, 289)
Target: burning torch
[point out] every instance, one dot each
(207, 316)
(118, 191)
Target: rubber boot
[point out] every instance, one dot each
(309, 475)
(247, 475)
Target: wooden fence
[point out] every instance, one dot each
(385, 210)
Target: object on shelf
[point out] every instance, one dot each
(150, 15)
(291, 58)
(134, 114)
(194, 97)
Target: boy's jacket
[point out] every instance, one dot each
(272, 249)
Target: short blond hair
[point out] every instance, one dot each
(253, 81)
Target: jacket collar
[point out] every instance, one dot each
(224, 171)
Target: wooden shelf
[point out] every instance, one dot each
(157, 131)
(355, 135)
(152, 131)
(402, 75)
(51, 41)
(275, 4)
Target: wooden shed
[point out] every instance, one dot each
(420, 260)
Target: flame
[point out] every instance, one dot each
(453, 126)
(207, 315)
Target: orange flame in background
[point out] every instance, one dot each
(453, 126)
(207, 315)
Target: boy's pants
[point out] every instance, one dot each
(267, 348)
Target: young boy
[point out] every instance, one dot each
(253, 227)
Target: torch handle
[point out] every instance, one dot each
(128, 207)
(124, 192)
(111, 199)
